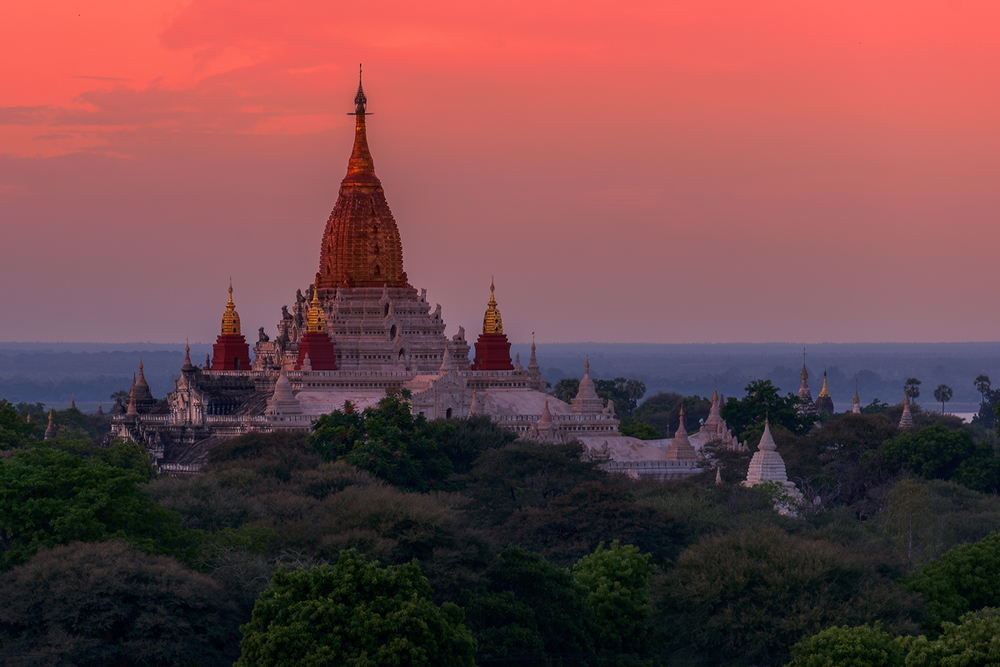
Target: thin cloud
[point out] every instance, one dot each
(96, 78)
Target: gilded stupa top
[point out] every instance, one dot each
(316, 320)
(824, 392)
(230, 318)
(492, 323)
(361, 167)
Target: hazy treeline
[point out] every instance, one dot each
(53, 373)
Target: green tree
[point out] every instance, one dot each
(876, 407)
(762, 401)
(617, 583)
(530, 607)
(966, 578)
(745, 597)
(943, 394)
(640, 429)
(982, 384)
(973, 642)
(387, 441)
(50, 497)
(108, 604)
(863, 646)
(354, 613)
(912, 388)
(935, 452)
(662, 411)
(624, 392)
(566, 389)
(463, 440)
(14, 431)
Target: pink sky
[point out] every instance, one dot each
(628, 171)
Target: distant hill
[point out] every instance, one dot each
(52, 373)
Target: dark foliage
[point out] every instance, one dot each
(108, 604)
(387, 441)
(50, 497)
(354, 613)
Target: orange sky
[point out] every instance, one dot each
(628, 171)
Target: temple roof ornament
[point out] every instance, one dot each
(824, 402)
(492, 322)
(361, 245)
(587, 401)
(188, 366)
(906, 420)
(316, 321)
(50, 432)
(681, 448)
(446, 365)
(856, 408)
(230, 318)
(806, 406)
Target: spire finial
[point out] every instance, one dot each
(492, 322)
(360, 101)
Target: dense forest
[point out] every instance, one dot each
(383, 539)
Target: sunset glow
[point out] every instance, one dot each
(627, 172)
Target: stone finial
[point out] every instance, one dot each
(681, 448)
(587, 401)
(188, 366)
(446, 365)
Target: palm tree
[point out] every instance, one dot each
(912, 388)
(943, 394)
(983, 385)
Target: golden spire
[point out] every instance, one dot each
(316, 321)
(857, 399)
(230, 318)
(492, 323)
(715, 392)
(824, 392)
(805, 373)
(361, 167)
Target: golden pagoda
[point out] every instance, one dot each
(230, 318)
(316, 319)
(492, 322)
(824, 403)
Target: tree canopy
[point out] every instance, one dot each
(50, 497)
(357, 613)
(109, 604)
(387, 441)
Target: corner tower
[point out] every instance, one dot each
(492, 348)
(361, 245)
(231, 352)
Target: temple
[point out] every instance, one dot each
(361, 329)
(767, 466)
